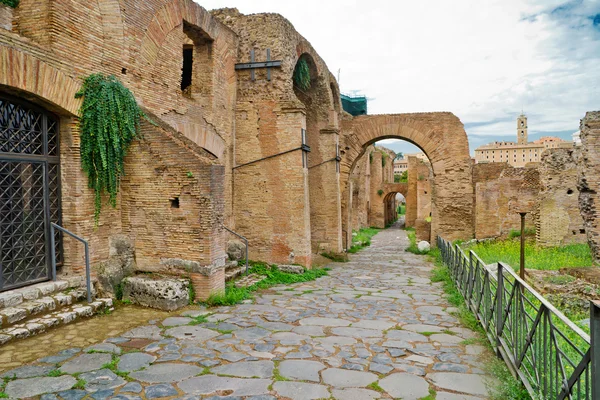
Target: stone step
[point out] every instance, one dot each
(13, 298)
(24, 311)
(233, 273)
(54, 318)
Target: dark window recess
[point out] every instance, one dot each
(186, 70)
(570, 191)
(582, 231)
(124, 71)
(175, 202)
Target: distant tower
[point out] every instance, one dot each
(522, 129)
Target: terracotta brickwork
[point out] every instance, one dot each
(452, 196)
(501, 191)
(411, 195)
(589, 179)
(361, 192)
(177, 191)
(558, 220)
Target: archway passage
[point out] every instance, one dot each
(443, 139)
(390, 190)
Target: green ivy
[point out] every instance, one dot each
(10, 3)
(109, 122)
(302, 74)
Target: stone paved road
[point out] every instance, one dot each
(375, 328)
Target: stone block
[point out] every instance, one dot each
(236, 250)
(291, 269)
(207, 284)
(164, 294)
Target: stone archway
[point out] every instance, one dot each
(443, 139)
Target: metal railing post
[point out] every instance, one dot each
(245, 242)
(499, 307)
(53, 252)
(595, 347)
(88, 278)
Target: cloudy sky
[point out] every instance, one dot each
(483, 60)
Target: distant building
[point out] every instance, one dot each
(522, 152)
(354, 105)
(401, 164)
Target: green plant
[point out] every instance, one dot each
(302, 74)
(10, 3)
(514, 233)
(431, 396)
(200, 319)
(383, 159)
(190, 174)
(412, 237)
(191, 293)
(55, 372)
(80, 384)
(375, 386)
(380, 192)
(362, 239)
(109, 122)
(336, 257)
(119, 291)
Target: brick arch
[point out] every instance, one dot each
(26, 73)
(443, 139)
(389, 188)
(170, 16)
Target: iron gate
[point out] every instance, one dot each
(29, 193)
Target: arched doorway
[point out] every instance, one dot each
(29, 192)
(441, 136)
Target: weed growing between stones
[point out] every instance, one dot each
(507, 386)
(431, 396)
(5, 381)
(273, 277)
(55, 373)
(362, 238)
(200, 319)
(80, 384)
(375, 386)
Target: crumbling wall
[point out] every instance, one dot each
(376, 211)
(589, 179)
(501, 192)
(558, 220)
(361, 189)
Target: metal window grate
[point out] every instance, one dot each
(29, 192)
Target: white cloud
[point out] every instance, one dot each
(482, 60)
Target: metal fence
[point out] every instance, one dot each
(551, 355)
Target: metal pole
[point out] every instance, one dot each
(499, 307)
(595, 347)
(52, 253)
(522, 264)
(88, 280)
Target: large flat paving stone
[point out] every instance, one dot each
(301, 370)
(144, 332)
(337, 340)
(254, 333)
(135, 361)
(341, 378)
(463, 383)
(85, 363)
(195, 333)
(103, 348)
(357, 332)
(28, 371)
(422, 328)
(321, 321)
(355, 394)
(373, 324)
(102, 379)
(405, 386)
(166, 373)
(446, 339)
(407, 336)
(301, 390)
(246, 369)
(22, 388)
(176, 321)
(207, 384)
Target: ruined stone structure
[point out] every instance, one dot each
(589, 179)
(558, 220)
(501, 192)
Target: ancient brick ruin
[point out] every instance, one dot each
(249, 150)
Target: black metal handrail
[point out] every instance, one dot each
(88, 279)
(552, 356)
(245, 241)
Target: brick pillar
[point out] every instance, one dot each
(376, 213)
(411, 195)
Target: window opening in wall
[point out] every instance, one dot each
(570, 191)
(187, 68)
(175, 202)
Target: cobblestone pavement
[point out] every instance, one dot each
(376, 327)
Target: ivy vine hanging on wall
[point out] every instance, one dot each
(109, 122)
(302, 74)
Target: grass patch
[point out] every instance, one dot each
(200, 319)
(412, 237)
(336, 257)
(80, 384)
(515, 233)
(536, 257)
(508, 387)
(375, 386)
(273, 277)
(431, 396)
(560, 279)
(362, 238)
(55, 373)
